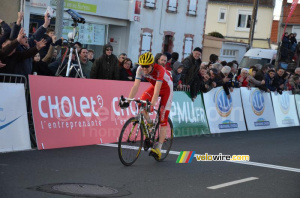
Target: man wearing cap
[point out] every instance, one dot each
(106, 66)
(191, 66)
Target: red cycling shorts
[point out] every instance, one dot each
(166, 95)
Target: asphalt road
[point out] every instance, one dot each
(273, 170)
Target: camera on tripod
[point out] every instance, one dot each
(77, 18)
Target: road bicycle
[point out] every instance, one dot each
(136, 134)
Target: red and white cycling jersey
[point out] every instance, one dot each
(158, 73)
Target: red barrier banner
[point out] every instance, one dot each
(75, 112)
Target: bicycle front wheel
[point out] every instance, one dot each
(166, 147)
(130, 142)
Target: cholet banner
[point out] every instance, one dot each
(258, 109)
(188, 117)
(285, 109)
(223, 114)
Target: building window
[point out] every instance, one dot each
(229, 53)
(192, 7)
(168, 42)
(172, 5)
(146, 40)
(188, 45)
(150, 4)
(244, 20)
(222, 15)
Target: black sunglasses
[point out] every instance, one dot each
(109, 49)
(145, 66)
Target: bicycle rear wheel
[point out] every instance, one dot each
(166, 147)
(130, 142)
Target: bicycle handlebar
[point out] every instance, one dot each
(135, 100)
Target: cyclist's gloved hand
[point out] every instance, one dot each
(123, 104)
(149, 108)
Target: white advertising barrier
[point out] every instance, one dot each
(223, 114)
(258, 109)
(14, 132)
(285, 109)
(297, 99)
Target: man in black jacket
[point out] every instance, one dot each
(106, 66)
(191, 66)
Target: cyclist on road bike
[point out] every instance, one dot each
(161, 85)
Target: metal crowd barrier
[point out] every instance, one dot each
(184, 88)
(15, 78)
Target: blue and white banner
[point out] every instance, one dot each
(223, 114)
(258, 109)
(14, 131)
(285, 109)
(297, 99)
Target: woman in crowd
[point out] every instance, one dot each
(252, 82)
(125, 70)
(243, 78)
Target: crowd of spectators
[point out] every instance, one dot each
(44, 54)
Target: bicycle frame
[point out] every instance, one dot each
(141, 121)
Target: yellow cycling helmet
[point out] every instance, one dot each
(146, 59)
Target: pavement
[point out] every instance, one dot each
(273, 170)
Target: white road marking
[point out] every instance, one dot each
(297, 170)
(232, 183)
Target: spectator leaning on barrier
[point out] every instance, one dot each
(260, 75)
(200, 83)
(125, 70)
(243, 78)
(227, 80)
(269, 77)
(106, 66)
(279, 80)
(252, 82)
(86, 65)
(176, 75)
(191, 66)
(215, 78)
(293, 84)
(217, 66)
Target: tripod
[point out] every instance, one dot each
(70, 49)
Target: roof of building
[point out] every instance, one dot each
(222, 39)
(265, 3)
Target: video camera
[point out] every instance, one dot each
(75, 16)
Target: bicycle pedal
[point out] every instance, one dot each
(153, 155)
